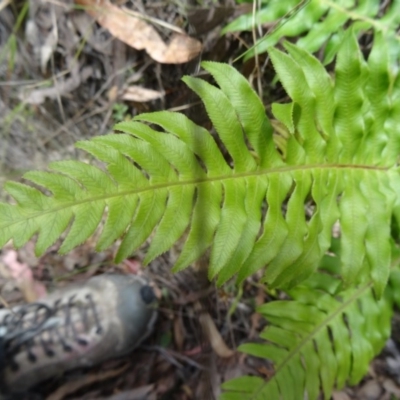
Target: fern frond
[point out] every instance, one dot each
(318, 24)
(339, 141)
(322, 338)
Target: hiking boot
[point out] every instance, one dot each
(78, 326)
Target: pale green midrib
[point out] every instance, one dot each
(356, 295)
(199, 181)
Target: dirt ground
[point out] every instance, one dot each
(69, 73)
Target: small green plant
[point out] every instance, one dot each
(318, 25)
(9, 50)
(274, 198)
(120, 112)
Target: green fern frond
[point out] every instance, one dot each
(320, 339)
(318, 24)
(338, 141)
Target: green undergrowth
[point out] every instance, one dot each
(310, 197)
(318, 25)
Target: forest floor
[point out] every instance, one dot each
(67, 74)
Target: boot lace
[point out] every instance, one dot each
(26, 326)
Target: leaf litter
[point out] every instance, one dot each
(79, 64)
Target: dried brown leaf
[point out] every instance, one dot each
(179, 332)
(140, 94)
(340, 396)
(138, 34)
(211, 333)
(31, 289)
